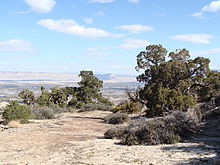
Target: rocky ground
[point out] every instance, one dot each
(77, 138)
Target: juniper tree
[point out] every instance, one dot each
(174, 81)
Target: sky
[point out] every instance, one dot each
(105, 36)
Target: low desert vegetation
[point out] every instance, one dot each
(168, 130)
(95, 106)
(116, 118)
(173, 83)
(43, 113)
(16, 112)
(127, 107)
(87, 96)
(115, 133)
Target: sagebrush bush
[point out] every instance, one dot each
(39, 112)
(43, 113)
(116, 132)
(93, 106)
(127, 107)
(151, 133)
(116, 118)
(168, 130)
(15, 111)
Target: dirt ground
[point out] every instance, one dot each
(77, 138)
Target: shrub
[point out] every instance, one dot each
(15, 111)
(127, 107)
(44, 113)
(167, 130)
(116, 132)
(151, 133)
(117, 118)
(92, 106)
(184, 124)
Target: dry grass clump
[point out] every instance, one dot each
(14, 124)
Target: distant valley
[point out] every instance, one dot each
(13, 82)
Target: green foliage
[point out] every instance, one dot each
(173, 84)
(58, 97)
(116, 118)
(127, 107)
(44, 99)
(88, 92)
(90, 87)
(103, 100)
(211, 85)
(15, 111)
(164, 101)
(27, 96)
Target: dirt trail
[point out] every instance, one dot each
(78, 139)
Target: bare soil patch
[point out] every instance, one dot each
(77, 138)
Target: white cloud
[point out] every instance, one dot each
(99, 13)
(214, 6)
(101, 1)
(134, 1)
(128, 44)
(134, 44)
(41, 6)
(135, 28)
(194, 38)
(88, 20)
(206, 52)
(19, 12)
(70, 26)
(109, 1)
(198, 15)
(98, 54)
(15, 45)
(159, 14)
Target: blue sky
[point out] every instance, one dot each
(103, 35)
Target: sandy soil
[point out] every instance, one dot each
(77, 138)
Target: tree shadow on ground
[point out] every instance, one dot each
(85, 117)
(203, 150)
(208, 139)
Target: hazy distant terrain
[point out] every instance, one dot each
(13, 82)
